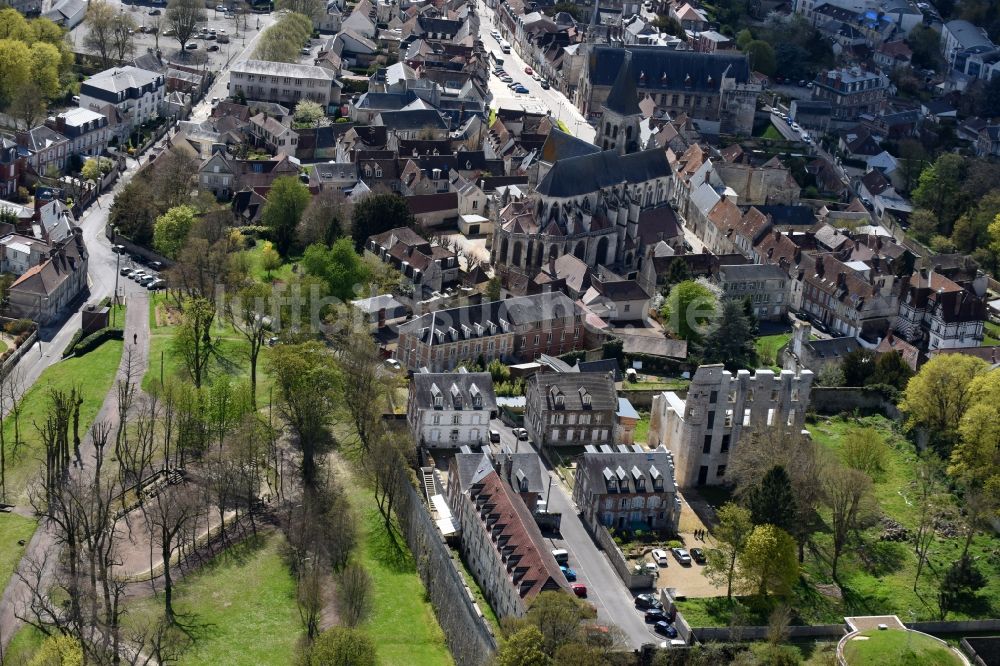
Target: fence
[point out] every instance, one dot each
(469, 637)
(625, 571)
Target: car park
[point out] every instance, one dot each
(213, 47)
(698, 555)
(651, 568)
(681, 555)
(665, 628)
(148, 280)
(580, 590)
(569, 573)
(660, 557)
(647, 601)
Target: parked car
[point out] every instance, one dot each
(698, 555)
(213, 47)
(191, 47)
(149, 279)
(521, 90)
(665, 628)
(506, 79)
(647, 601)
(796, 127)
(651, 568)
(580, 590)
(125, 271)
(158, 283)
(495, 34)
(562, 556)
(220, 8)
(156, 265)
(655, 615)
(545, 84)
(681, 556)
(155, 12)
(495, 436)
(528, 70)
(660, 557)
(569, 573)
(521, 434)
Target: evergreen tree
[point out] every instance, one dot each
(731, 342)
(772, 502)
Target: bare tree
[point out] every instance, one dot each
(100, 37)
(193, 339)
(170, 513)
(848, 494)
(154, 28)
(122, 39)
(309, 598)
(183, 17)
(386, 468)
(354, 595)
(366, 385)
(930, 470)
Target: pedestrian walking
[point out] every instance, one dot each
(135, 338)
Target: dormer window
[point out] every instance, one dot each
(368, 170)
(378, 171)
(477, 397)
(585, 398)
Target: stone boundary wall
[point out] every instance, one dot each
(607, 544)
(18, 352)
(469, 637)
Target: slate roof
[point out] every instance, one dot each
(751, 272)
(627, 465)
(573, 386)
(559, 145)
(457, 390)
(440, 327)
(789, 215)
(584, 174)
(605, 366)
(47, 277)
(414, 119)
(666, 68)
(624, 290)
(658, 224)
(623, 98)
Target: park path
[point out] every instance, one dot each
(43, 546)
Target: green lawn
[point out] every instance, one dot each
(658, 385)
(768, 347)
(894, 647)
(242, 603)
(230, 357)
(94, 373)
(402, 623)
(876, 577)
(991, 334)
(23, 646)
(14, 528)
(642, 428)
(282, 274)
(772, 133)
(3, 346)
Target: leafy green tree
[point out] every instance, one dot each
(940, 190)
(558, 616)
(858, 367)
(341, 646)
(891, 370)
(733, 527)
(925, 42)
(340, 266)
(172, 229)
(772, 501)
(731, 341)
(286, 201)
(689, 309)
(960, 580)
(937, 397)
(133, 212)
(15, 63)
(523, 648)
(972, 227)
(305, 377)
(193, 338)
(270, 260)
(762, 58)
(743, 39)
(677, 272)
(377, 213)
(767, 562)
(493, 285)
(308, 113)
(58, 650)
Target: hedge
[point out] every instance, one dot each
(78, 347)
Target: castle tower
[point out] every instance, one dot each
(619, 126)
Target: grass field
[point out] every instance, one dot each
(14, 528)
(402, 623)
(642, 428)
(242, 603)
(876, 577)
(230, 356)
(484, 605)
(772, 133)
(897, 648)
(282, 274)
(767, 349)
(991, 334)
(23, 645)
(94, 373)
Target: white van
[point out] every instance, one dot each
(562, 556)
(505, 46)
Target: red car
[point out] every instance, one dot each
(527, 70)
(580, 591)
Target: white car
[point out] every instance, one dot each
(796, 127)
(495, 34)
(660, 557)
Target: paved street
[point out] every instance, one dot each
(552, 100)
(614, 603)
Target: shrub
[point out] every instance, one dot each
(19, 326)
(93, 341)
